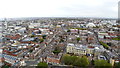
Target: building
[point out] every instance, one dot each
(76, 49)
(90, 25)
(112, 57)
(84, 49)
(54, 59)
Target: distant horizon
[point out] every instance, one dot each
(55, 17)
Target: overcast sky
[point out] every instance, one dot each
(58, 8)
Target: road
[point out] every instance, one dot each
(44, 52)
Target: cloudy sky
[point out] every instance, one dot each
(58, 8)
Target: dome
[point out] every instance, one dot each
(90, 25)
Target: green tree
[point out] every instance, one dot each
(68, 31)
(84, 61)
(6, 66)
(31, 51)
(72, 59)
(57, 50)
(118, 38)
(75, 61)
(104, 45)
(117, 65)
(42, 65)
(68, 60)
(61, 40)
(109, 44)
(102, 63)
(78, 39)
(92, 62)
(44, 36)
(81, 62)
(41, 40)
(32, 36)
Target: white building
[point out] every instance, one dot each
(90, 25)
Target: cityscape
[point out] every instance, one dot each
(59, 34)
(60, 42)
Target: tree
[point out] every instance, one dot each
(117, 65)
(104, 45)
(68, 31)
(31, 51)
(41, 40)
(78, 31)
(81, 62)
(102, 63)
(57, 50)
(61, 40)
(44, 36)
(68, 60)
(42, 65)
(40, 32)
(109, 44)
(65, 59)
(32, 36)
(78, 39)
(75, 61)
(6, 66)
(84, 61)
(117, 38)
(92, 62)
(74, 58)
